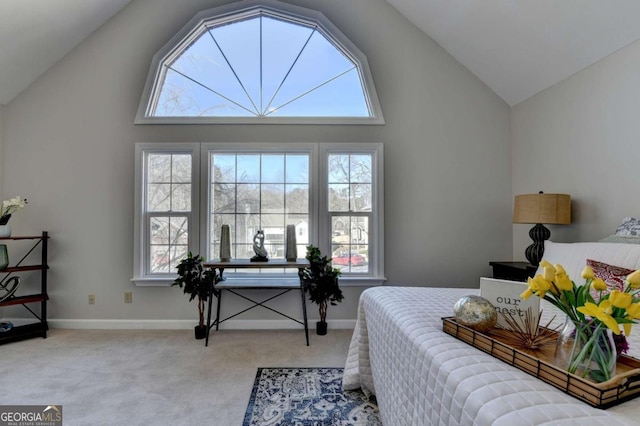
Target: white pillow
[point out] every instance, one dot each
(573, 256)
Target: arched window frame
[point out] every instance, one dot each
(235, 11)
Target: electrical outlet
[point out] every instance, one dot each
(128, 297)
(92, 299)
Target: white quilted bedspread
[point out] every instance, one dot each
(422, 376)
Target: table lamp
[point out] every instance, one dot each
(540, 209)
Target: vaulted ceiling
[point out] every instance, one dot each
(516, 47)
(35, 34)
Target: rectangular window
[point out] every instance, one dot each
(331, 193)
(166, 207)
(259, 191)
(350, 208)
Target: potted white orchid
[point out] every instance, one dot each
(8, 208)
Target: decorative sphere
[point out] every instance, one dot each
(476, 312)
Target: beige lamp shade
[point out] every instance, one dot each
(553, 209)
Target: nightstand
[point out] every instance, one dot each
(515, 271)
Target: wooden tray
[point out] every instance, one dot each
(625, 385)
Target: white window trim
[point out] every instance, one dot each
(199, 240)
(141, 236)
(376, 244)
(193, 29)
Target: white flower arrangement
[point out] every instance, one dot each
(9, 207)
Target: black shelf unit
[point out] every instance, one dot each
(39, 327)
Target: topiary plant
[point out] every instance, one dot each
(321, 282)
(198, 282)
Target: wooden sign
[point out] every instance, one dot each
(505, 296)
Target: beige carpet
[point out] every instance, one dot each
(154, 377)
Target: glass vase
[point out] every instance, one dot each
(586, 350)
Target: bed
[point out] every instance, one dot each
(422, 376)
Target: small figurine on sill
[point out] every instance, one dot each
(258, 247)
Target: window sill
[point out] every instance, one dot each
(152, 282)
(344, 282)
(361, 281)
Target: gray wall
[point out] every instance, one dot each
(70, 143)
(581, 137)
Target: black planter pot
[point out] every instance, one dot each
(321, 328)
(201, 332)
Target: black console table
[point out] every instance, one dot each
(270, 284)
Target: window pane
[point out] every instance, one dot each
(159, 197)
(297, 199)
(350, 243)
(360, 230)
(248, 198)
(224, 198)
(355, 169)
(248, 168)
(159, 260)
(178, 231)
(361, 197)
(338, 168)
(168, 182)
(245, 62)
(181, 168)
(338, 198)
(318, 63)
(244, 251)
(246, 228)
(204, 63)
(169, 237)
(341, 97)
(272, 168)
(181, 201)
(273, 224)
(272, 199)
(159, 230)
(282, 42)
(340, 231)
(159, 168)
(177, 254)
(360, 168)
(182, 97)
(297, 169)
(224, 168)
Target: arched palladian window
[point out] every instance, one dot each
(259, 62)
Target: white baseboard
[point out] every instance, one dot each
(106, 324)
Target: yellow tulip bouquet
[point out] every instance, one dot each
(593, 309)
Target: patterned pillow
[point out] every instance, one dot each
(629, 226)
(613, 276)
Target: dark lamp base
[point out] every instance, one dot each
(535, 251)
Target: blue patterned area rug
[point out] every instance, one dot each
(307, 397)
